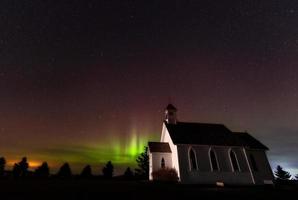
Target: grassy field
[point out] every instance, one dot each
(101, 189)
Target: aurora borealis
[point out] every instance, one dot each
(85, 82)
(122, 151)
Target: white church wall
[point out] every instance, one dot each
(223, 156)
(204, 174)
(155, 161)
(241, 159)
(165, 137)
(263, 174)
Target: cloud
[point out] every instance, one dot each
(283, 151)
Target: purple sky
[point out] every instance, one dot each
(90, 77)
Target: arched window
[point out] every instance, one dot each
(192, 160)
(234, 161)
(163, 163)
(213, 160)
(253, 163)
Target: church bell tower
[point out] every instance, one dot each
(171, 114)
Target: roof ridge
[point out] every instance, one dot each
(211, 134)
(207, 123)
(159, 142)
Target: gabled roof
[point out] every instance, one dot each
(210, 134)
(249, 141)
(162, 147)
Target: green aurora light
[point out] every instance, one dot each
(121, 152)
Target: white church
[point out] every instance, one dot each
(205, 153)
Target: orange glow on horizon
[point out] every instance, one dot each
(32, 164)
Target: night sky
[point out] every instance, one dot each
(88, 81)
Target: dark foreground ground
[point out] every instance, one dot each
(94, 189)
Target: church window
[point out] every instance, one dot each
(234, 161)
(253, 163)
(163, 164)
(192, 160)
(213, 161)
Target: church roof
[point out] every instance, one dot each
(163, 147)
(249, 141)
(210, 134)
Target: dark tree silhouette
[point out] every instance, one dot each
(20, 169)
(2, 166)
(16, 170)
(86, 172)
(24, 167)
(108, 170)
(143, 164)
(43, 170)
(282, 174)
(128, 174)
(64, 171)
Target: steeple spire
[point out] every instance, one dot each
(171, 114)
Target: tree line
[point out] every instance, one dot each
(21, 169)
(282, 175)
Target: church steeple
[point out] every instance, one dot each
(171, 114)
